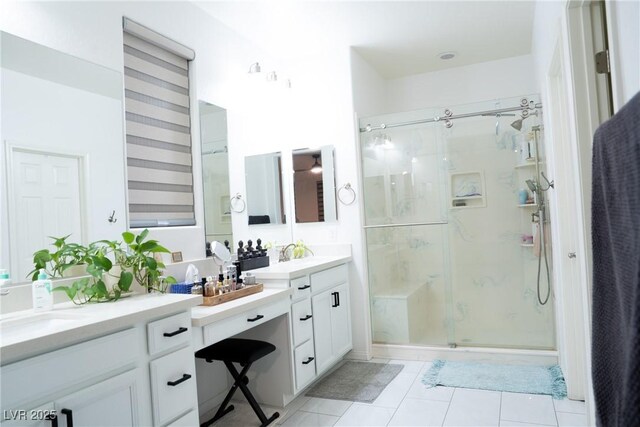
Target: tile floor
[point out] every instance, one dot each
(406, 402)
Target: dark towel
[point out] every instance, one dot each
(616, 268)
(259, 219)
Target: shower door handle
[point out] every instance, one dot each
(572, 255)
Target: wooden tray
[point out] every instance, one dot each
(229, 296)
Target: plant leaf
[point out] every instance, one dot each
(142, 236)
(126, 278)
(102, 262)
(152, 264)
(94, 271)
(101, 289)
(128, 237)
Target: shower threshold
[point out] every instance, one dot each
(478, 354)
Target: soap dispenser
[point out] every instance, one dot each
(41, 292)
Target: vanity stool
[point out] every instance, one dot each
(243, 352)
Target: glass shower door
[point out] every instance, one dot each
(406, 232)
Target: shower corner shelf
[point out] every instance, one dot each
(527, 205)
(526, 245)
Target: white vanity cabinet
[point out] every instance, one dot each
(143, 375)
(320, 320)
(98, 382)
(331, 320)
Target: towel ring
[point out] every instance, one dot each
(234, 206)
(347, 187)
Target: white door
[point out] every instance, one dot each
(572, 345)
(340, 322)
(321, 305)
(46, 202)
(113, 402)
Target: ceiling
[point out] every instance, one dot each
(397, 38)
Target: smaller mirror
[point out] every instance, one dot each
(314, 185)
(215, 173)
(265, 201)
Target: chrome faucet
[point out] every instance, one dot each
(284, 256)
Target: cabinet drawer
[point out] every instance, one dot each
(173, 385)
(189, 420)
(302, 322)
(329, 278)
(301, 288)
(169, 333)
(241, 322)
(31, 379)
(305, 364)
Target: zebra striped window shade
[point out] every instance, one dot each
(158, 129)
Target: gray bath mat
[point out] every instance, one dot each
(356, 381)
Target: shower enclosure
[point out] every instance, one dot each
(452, 250)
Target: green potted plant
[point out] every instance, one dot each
(139, 258)
(66, 257)
(93, 288)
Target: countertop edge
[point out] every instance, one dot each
(101, 326)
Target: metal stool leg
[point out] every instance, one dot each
(223, 409)
(240, 381)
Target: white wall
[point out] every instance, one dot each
(369, 88)
(485, 81)
(623, 18)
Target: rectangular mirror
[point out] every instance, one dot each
(314, 185)
(215, 173)
(63, 147)
(265, 200)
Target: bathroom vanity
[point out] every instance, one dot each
(124, 363)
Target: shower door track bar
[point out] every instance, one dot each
(449, 117)
(407, 224)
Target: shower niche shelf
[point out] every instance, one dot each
(467, 190)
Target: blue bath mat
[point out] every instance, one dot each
(485, 376)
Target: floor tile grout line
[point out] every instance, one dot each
(555, 412)
(403, 397)
(500, 410)
(449, 405)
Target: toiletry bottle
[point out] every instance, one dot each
(41, 292)
(221, 283)
(4, 278)
(197, 289)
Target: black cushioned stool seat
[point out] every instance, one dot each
(243, 352)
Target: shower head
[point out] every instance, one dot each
(517, 125)
(532, 185)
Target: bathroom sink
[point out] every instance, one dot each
(37, 323)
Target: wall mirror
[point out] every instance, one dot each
(63, 151)
(265, 199)
(215, 173)
(314, 185)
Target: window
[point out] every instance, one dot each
(158, 129)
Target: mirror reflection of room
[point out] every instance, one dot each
(215, 172)
(314, 185)
(265, 199)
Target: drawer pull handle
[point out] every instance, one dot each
(309, 360)
(181, 380)
(69, 414)
(307, 317)
(302, 288)
(258, 317)
(174, 333)
(335, 299)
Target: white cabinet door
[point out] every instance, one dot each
(340, 321)
(321, 304)
(113, 402)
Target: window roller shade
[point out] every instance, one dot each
(158, 129)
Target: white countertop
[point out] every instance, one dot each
(204, 315)
(27, 333)
(298, 267)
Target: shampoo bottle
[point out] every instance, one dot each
(41, 292)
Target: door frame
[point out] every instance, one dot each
(12, 214)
